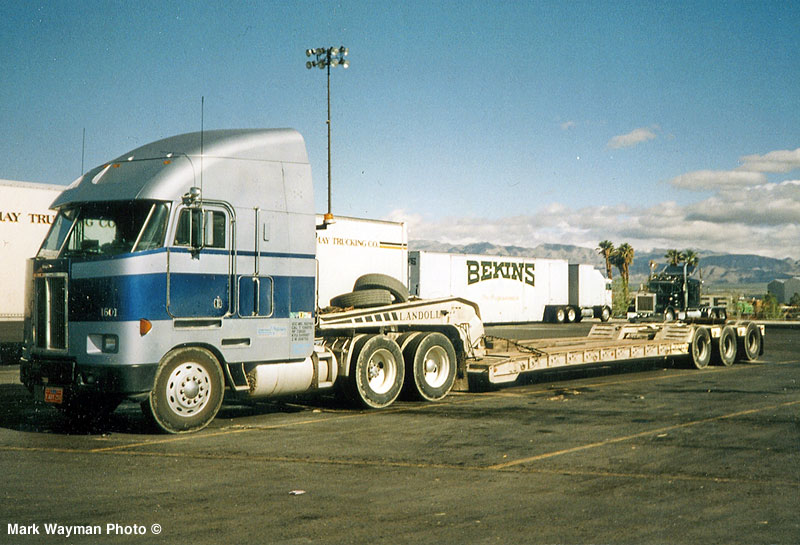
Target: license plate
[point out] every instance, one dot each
(53, 394)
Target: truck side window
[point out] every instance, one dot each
(215, 229)
(191, 227)
(187, 232)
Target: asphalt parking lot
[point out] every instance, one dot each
(650, 452)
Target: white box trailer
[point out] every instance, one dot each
(25, 218)
(512, 289)
(351, 247)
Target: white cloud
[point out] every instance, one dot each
(745, 214)
(717, 179)
(774, 161)
(636, 136)
(760, 220)
(568, 125)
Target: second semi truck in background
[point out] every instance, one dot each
(513, 289)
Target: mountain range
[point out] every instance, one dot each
(747, 273)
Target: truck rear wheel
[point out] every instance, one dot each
(750, 344)
(605, 314)
(188, 390)
(571, 315)
(724, 349)
(377, 372)
(701, 348)
(431, 363)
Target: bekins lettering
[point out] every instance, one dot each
(478, 271)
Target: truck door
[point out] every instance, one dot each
(200, 263)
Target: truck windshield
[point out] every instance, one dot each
(105, 229)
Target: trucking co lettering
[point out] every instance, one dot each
(14, 217)
(478, 271)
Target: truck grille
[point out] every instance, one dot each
(646, 303)
(50, 315)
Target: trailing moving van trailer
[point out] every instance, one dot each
(25, 218)
(513, 289)
(187, 266)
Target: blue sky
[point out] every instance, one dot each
(661, 124)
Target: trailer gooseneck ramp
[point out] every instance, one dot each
(506, 360)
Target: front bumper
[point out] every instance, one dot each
(76, 379)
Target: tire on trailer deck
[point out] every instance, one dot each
(430, 366)
(559, 315)
(362, 299)
(187, 392)
(724, 347)
(750, 345)
(605, 314)
(570, 315)
(382, 282)
(376, 373)
(700, 350)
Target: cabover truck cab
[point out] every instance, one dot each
(187, 266)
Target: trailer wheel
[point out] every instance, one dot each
(363, 299)
(724, 350)
(750, 344)
(571, 315)
(605, 314)
(376, 377)
(382, 282)
(188, 390)
(431, 361)
(701, 348)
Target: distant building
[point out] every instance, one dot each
(784, 289)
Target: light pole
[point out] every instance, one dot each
(325, 58)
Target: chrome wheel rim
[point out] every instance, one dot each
(381, 371)
(435, 366)
(188, 389)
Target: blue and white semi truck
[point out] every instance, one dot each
(187, 267)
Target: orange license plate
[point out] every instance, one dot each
(53, 395)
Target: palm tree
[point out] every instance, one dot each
(674, 257)
(691, 258)
(624, 260)
(606, 249)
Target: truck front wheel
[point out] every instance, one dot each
(431, 363)
(188, 390)
(377, 373)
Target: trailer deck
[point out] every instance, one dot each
(506, 359)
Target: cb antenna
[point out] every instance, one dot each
(83, 149)
(202, 111)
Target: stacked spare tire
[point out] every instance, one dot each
(372, 290)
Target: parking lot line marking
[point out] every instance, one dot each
(614, 440)
(225, 431)
(417, 465)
